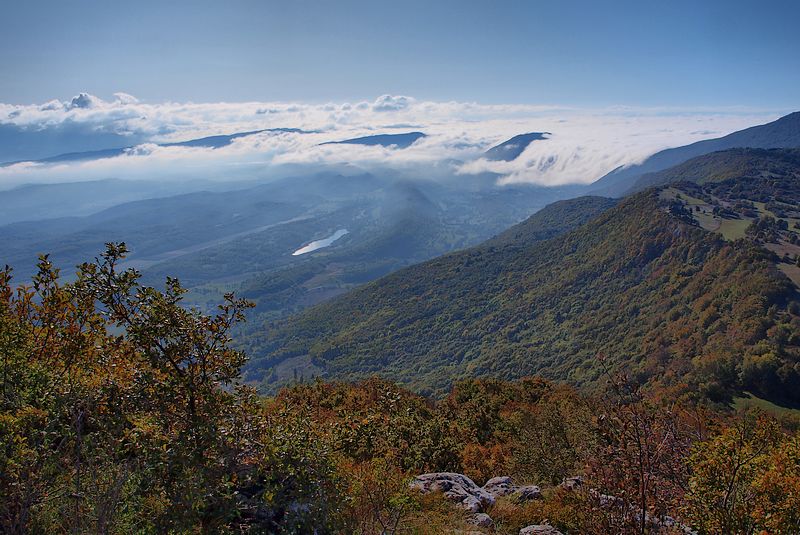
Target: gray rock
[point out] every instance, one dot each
(527, 493)
(456, 487)
(540, 529)
(500, 486)
(504, 486)
(572, 483)
(482, 520)
(607, 500)
(669, 522)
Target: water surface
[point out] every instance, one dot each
(319, 244)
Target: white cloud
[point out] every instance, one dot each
(392, 103)
(125, 98)
(584, 145)
(85, 101)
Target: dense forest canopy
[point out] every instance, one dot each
(680, 308)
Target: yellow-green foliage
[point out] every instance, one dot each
(121, 412)
(746, 479)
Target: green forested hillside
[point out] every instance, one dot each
(272, 291)
(747, 164)
(555, 219)
(636, 289)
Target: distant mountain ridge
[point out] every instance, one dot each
(782, 133)
(510, 149)
(401, 141)
(213, 142)
(76, 199)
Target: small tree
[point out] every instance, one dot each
(639, 475)
(722, 497)
(121, 410)
(555, 438)
(381, 500)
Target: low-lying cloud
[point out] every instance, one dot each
(584, 145)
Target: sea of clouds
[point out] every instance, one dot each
(583, 145)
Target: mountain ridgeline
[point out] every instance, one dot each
(510, 149)
(744, 165)
(782, 133)
(553, 220)
(401, 141)
(651, 287)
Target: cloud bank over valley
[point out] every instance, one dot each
(581, 144)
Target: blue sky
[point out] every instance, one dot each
(582, 53)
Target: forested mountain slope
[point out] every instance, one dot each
(273, 290)
(554, 219)
(641, 288)
(750, 164)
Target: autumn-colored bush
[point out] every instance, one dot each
(556, 436)
(482, 463)
(745, 479)
(380, 499)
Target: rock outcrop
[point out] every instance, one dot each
(500, 486)
(572, 483)
(504, 486)
(540, 529)
(457, 488)
(527, 493)
(482, 520)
